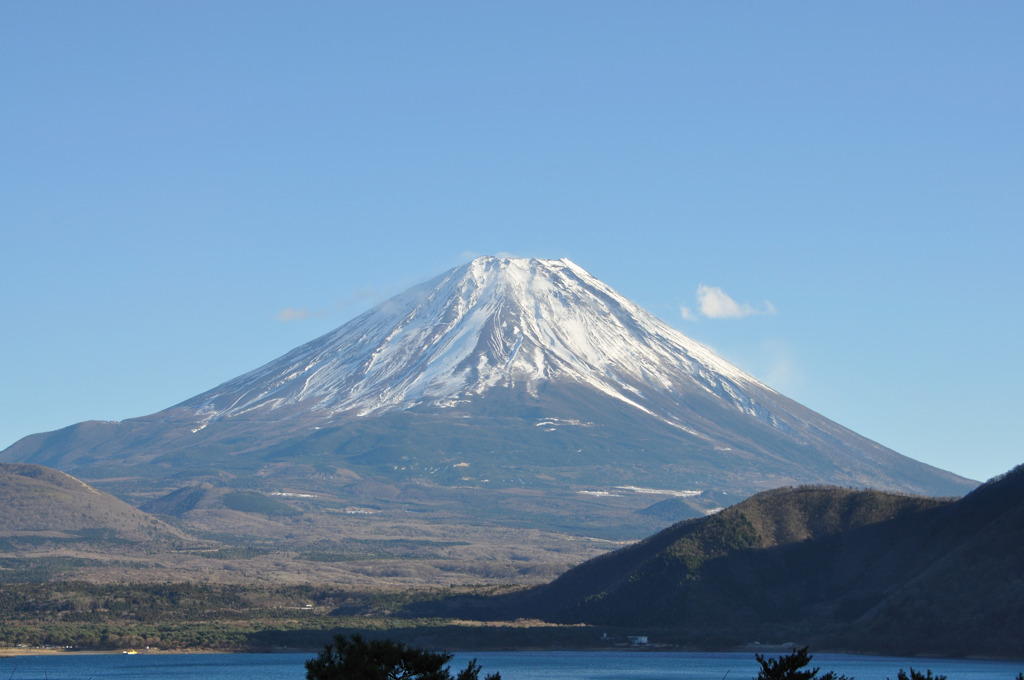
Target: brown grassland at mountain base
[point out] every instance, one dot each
(58, 528)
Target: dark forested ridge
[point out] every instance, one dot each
(843, 569)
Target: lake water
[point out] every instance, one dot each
(618, 665)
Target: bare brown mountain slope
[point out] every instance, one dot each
(40, 501)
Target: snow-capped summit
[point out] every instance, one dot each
(490, 323)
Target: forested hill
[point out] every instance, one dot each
(715, 568)
(838, 568)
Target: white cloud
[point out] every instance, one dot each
(687, 313)
(292, 314)
(715, 303)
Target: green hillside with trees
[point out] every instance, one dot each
(839, 568)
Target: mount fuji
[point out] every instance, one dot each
(506, 392)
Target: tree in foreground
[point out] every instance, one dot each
(792, 667)
(358, 659)
(918, 675)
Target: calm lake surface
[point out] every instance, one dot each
(624, 665)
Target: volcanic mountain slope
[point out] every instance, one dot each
(505, 392)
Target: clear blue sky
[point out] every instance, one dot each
(190, 189)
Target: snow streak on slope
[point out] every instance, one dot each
(490, 323)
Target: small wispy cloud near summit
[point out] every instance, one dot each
(715, 303)
(362, 297)
(291, 314)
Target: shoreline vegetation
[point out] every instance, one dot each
(77, 617)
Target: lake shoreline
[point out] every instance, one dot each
(611, 664)
(765, 649)
(14, 653)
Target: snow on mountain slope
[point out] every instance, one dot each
(490, 323)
